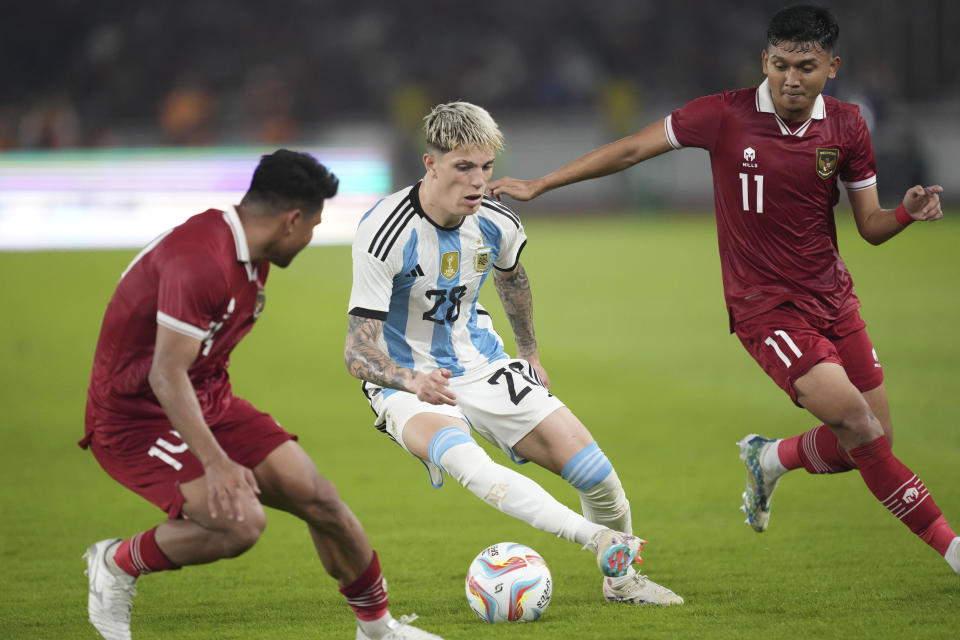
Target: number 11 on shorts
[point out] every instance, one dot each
(161, 449)
(787, 341)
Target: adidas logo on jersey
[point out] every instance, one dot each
(413, 273)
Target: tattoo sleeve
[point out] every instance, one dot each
(513, 287)
(367, 361)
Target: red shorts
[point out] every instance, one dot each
(788, 342)
(152, 461)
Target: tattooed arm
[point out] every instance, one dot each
(366, 361)
(513, 287)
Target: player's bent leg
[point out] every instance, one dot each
(504, 489)
(289, 481)
(602, 498)
(877, 401)
(562, 444)
(554, 441)
(461, 457)
(827, 393)
(202, 538)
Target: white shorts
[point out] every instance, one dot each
(503, 401)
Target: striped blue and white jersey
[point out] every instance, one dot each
(424, 280)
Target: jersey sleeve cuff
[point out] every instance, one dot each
(180, 326)
(515, 260)
(360, 312)
(671, 136)
(858, 185)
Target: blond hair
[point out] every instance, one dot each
(461, 124)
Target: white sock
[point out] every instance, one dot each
(514, 494)
(606, 503)
(770, 460)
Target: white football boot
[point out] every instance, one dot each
(952, 556)
(760, 483)
(637, 589)
(615, 551)
(111, 594)
(391, 628)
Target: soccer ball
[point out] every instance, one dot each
(508, 582)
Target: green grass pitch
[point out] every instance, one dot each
(632, 328)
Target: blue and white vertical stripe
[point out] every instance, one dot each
(424, 281)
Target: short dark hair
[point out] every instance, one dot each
(287, 180)
(804, 24)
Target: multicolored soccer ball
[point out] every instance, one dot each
(508, 582)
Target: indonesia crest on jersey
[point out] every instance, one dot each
(424, 281)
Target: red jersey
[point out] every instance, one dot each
(775, 186)
(196, 279)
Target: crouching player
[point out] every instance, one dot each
(162, 419)
(434, 369)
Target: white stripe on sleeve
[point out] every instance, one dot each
(180, 326)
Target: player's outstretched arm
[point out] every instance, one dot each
(366, 361)
(648, 142)
(513, 287)
(170, 382)
(877, 225)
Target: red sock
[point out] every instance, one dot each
(140, 554)
(902, 493)
(817, 451)
(367, 595)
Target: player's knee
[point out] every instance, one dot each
(241, 535)
(859, 425)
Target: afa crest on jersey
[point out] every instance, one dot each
(481, 261)
(827, 162)
(450, 264)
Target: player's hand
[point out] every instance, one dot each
(516, 189)
(923, 203)
(228, 485)
(434, 387)
(541, 372)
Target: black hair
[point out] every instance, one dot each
(804, 24)
(287, 180)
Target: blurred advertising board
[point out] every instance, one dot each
(122, 198)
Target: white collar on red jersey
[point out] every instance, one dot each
(232, 219)
(765, 105)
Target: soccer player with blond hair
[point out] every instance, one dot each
(434, 369)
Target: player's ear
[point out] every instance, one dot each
(834, 65)
(291, 219)
(763, 61)
(430, 163)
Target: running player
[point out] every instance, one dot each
(162, 419)
(777, 153)
(434, 369)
